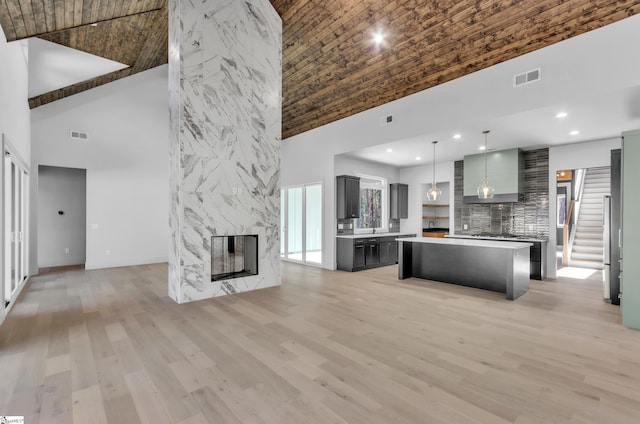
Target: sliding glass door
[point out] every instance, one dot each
(301, 224)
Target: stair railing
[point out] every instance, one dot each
(566, 231)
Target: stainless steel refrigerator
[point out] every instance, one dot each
(611, 233)
(606, 240)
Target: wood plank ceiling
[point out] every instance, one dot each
(132, 32)
(331, 69)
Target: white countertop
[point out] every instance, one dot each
(510, 239)
(472, 242)
(370, 235)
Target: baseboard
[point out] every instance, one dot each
(117, 264)
(14, 299)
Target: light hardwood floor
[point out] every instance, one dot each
(109, 346)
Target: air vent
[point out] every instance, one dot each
(79, 135)
(526, 78)
(386, 120)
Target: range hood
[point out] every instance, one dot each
(505, 172)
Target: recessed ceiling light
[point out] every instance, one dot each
(481, 148)
(389, 150)
(378, 37)
(574, 132)
(562, 115)
(418, 158)
(457, 136)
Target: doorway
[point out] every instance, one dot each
(301, 224)
(581, 241)
(62, 216)
(15, 225)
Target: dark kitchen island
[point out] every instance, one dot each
(485, 264)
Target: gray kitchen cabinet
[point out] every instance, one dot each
(399, 201)
(538, 260)
(372, 252)
(347, 197)
(358, 255)
(355, 254)
(388, 250)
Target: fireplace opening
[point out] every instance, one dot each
(233, 257)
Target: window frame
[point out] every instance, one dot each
(382, 184)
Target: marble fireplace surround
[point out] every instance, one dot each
(225, 122)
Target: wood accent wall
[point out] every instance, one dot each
(332, 69)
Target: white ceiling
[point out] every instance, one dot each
(53, 66)
(601, 101)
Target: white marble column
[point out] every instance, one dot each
(225, 72)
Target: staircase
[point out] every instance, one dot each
(588, 248)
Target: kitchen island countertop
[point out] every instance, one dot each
(372, 235)
(510, 239)
(472, 241)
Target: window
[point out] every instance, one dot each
(373, 198)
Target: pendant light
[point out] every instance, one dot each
(485, 191)
(434, 192)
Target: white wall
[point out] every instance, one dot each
(572, 156)
(14, 115)
(61, 237)
(126, 158)
(349, 166)
(14, 106)
(417, 177)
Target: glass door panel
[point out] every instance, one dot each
(294, 223)
(313, 221)
(17, 219)
(15, 223)
(301, 223)
(283, 222)
(8, 229)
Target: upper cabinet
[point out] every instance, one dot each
(505, 172)
(399, 201)
(347, 197)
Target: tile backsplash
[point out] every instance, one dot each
(529, 217)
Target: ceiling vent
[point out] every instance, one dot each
(526, 78)
(386, 120)
(78, 135)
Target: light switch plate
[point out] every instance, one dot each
(465, 226)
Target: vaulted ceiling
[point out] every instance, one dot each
(131, 32)
(331, 67)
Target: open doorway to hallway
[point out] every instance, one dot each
(62, 217)
(580, 227)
